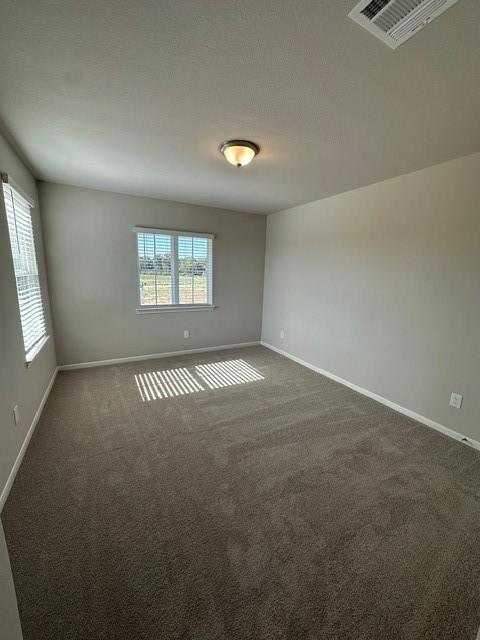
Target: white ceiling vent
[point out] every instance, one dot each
(394, 21)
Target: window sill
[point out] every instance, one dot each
(31, 355)
(175, 308)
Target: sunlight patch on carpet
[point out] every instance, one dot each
(170, 383)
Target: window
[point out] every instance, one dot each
(29, 294)
(174, 269)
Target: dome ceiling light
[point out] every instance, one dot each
(239, 152)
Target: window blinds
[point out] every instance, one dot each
(29, 294)
(174, 269)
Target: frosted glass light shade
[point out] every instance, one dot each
(239, 152)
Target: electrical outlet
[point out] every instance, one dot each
(456, 400)
(282, 333)
(16, 414)
(186, 333)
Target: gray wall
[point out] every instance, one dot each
(9, 620)
(91, 257)
(18, 385)
(381, 286)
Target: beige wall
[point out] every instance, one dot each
(381, 286)
(91, 257)
(18, 385)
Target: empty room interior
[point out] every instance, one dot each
(240, 320)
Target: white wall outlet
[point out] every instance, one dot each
(282, 333)
(456, 400)
(16, 414)
(186, 333)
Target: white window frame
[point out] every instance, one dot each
(39, 328)
(176, 306)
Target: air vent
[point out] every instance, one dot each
(394, 21)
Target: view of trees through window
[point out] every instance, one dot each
(164, 280)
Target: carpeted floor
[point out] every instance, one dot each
(252, 499)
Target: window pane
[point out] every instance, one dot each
(163, 266)
(29, 293)
(155, 268)
(146, 266)
(200, 270)
(185, 270)
(193, 270)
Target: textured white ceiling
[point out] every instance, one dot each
(136, 95)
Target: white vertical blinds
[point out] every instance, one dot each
(174, 269)
(29, 294)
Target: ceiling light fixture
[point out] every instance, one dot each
(239, 152)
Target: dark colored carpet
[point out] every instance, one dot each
(287, 507)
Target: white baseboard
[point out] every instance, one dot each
(374, 396)
(153, 356)
(23, 448)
